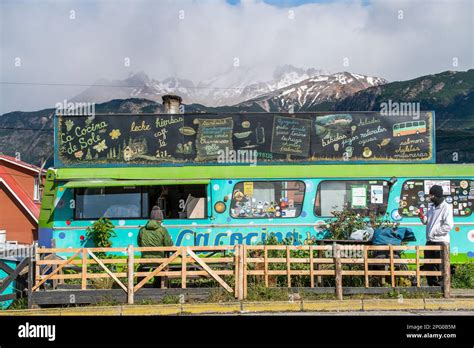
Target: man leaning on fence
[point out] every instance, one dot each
(154, 234)
(439, 222)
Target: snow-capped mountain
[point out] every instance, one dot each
(229, 88)
(306, 94)
(137, 85)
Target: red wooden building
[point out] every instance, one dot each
(20, 200)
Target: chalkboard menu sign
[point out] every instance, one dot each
(155, 139)
(373, 137)
(291, 136)
(213, 136)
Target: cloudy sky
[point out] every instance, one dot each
(51, 50)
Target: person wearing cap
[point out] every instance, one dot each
(439, 222)
(153, 234)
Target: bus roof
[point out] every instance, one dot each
(265, 171)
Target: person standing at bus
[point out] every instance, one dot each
(439, 222)
(154, 234)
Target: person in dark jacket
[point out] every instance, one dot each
(154, 234)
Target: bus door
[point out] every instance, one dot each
(186, 206)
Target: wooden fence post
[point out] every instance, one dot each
(130, 271)
(240, 266)
(84, 269)
(54, 282)
(37, 266)
(446, 271)
(418, 278)
(321, 253)
(366, 267)
(338, 271)
(31, 279)
(244, 269)
(184, 255)
(392, 267)
(236, 271)
(288, 266)
(241, 273)
(311, 266)
(265, 268)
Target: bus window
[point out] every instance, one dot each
(176, 202)
(179, 201)
(110, 202)
(458, 193)
(363, 196)
(267, 199)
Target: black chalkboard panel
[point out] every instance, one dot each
(213, 135)
(120, 140)
(291, 136)
(372, 137)
(114, 139)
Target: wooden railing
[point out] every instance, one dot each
(49, 268)
(240, 263)
(329, 260)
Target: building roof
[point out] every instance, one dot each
(16, 190)
(22, 164)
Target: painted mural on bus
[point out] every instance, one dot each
(209, 207)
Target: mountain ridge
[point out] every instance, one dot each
(231, 87)
(450, 94)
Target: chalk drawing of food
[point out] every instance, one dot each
(242, 135)
(367, 152)
(187, 131)
(384, 142)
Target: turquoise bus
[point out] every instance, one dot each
(233, 204)
(407, 128)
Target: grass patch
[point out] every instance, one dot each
(312, 296)
(258, 292)
(170, 299)
(463, 276)
(20, 303)
(219, 295)
(147, 302)
(106, 301)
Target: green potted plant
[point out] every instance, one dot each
(100, 233)
(343, 223)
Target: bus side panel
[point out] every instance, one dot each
(461, 236)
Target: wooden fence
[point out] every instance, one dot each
(329, 260)
(237, 264)
(184, 263)
(21, 276)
